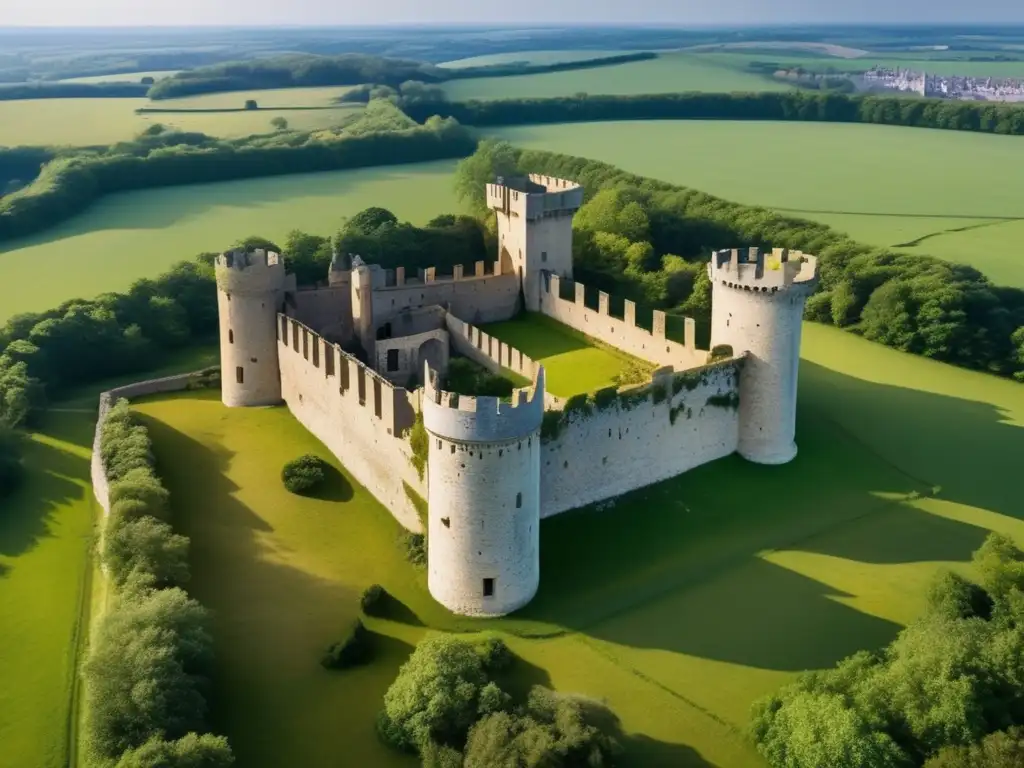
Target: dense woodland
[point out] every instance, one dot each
(379, 135)
(985, 117)
(42, 90)
(946, 693)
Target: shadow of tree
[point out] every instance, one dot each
(336, 486)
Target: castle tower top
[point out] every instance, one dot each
(482, 419)
(754, 270)
(250, 272)
(534, 196)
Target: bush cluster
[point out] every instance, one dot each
(149, 665)
(355, 649)
(446, 706)
(304, 474)
(952, 678)
(648, 241)
(374, 600)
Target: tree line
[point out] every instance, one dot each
(151, 659)
(70, 183)
(984, 117)
(946, 693)
(44, 90)
(649, 240)
(306, 70)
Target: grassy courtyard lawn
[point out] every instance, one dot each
(880, 184)
(679, 604)
(573, 363)
(669, 73)
(100, 250)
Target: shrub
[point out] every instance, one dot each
(146, 545)
(495, 654)
(355, 649)
(374, 600)
(190, 751)
(415, 547)
(419, 441)
(720, 352)
(304, 474)
(142, 486)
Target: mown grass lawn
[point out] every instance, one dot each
(678, 605)
(46, 539)
(572, 362)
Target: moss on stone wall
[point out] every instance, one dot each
(724, 400)
(420, 444)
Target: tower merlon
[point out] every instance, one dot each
(252, 272)
(482, 419)
(535, 196)
(752, 269)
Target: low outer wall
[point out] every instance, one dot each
(612, 451)
(100, 484)
(493, 354)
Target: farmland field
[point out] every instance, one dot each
(687, 600)
(667, 74)
(573, 364)
(82, 122)
(124, 77)
(530, 57)
(127, 236)
(882, 185)
(935, 64)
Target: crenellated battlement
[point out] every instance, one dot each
(250, 272)
(752, 269)
(482, 419)
(535, 196)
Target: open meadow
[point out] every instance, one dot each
(140, 234)
(948, 193)
(535, 58)
(122, 77)
(670, 73)
(46, 584)
(86, 122)
(679, 605)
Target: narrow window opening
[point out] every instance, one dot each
(453, 447)
(543, 255)
(446, 522)
(488, 587)
(231, 336)
(519, 501)
(239, 375)
(392, 360)
(252, 360)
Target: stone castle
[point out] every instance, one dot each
(494, 469)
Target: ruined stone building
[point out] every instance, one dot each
(494, 469)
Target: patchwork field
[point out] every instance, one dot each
(679, 605)
(83, 122)
(573, 364)
(667, 74)
(140, 234)
(46, 538)
(124, 77)
(531, 57)
(883, 185)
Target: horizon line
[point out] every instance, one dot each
(653, 25)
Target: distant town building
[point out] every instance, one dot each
(943, 86)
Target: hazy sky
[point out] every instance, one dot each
(342, 12)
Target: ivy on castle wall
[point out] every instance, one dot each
(419, 441)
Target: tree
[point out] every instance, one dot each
(304, 474)
(279, 123)
(369, 221)
(255, 243)
(492, 159)
(435, 696)
(147, 80)
(1017, 341)
(145, 545)
(1002, 749)
(251, 104)
(190, 751)
(308, 257)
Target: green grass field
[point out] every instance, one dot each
(46, 538)
(127, 236)
(531, 57)
(573, 364)
(936, 64)
(882, 185)
(124, 77)
(667, 74)
(679, 605)
(82, 122)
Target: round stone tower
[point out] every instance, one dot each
(757, 307)
(483, 533)
(250, 293)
